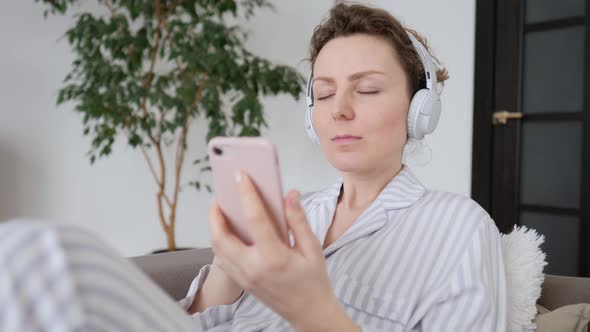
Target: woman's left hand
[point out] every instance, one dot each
(292, 281)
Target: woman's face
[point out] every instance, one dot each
(361, 103)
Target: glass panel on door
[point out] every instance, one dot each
(561, 240)
(554, 70)
(551, 169)
(544, 10)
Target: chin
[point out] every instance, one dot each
(351, 162)
(362, 161)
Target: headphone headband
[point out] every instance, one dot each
(309, 89)
(423, 54)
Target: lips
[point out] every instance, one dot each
(345, 139)
(337, 137)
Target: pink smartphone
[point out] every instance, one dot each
(257, 157)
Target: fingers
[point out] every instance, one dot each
(260, 224)
(225, 243)
(305, 240)
(230, 271)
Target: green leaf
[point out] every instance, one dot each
(111, 86)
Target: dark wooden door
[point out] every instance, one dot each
(531, 142)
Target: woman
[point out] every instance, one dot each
(391, 255)
(376, 251)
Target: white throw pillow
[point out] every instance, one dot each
(524, 262)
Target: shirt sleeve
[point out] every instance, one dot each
(474, 298)
(214, 316)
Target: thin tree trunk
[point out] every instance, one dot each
(171, 239)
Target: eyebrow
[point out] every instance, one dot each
(352, 77)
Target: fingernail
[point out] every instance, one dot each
(238, 176)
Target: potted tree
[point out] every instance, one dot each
(144, 70)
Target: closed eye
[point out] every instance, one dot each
(372, 92)
(324, 97)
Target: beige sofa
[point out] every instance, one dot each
(175, 271)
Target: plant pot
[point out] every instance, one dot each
(159, 251)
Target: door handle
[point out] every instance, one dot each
(502, 117)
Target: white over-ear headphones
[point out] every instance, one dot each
(425, 106)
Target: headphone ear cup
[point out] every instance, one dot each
(414, 113)
(424, 114)
(309, 125)
(434, 116)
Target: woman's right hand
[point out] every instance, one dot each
(218, 288)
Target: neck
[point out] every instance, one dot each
(361, 189)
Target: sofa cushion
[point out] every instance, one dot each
(559, 291)
(569, 318)
(174, 271)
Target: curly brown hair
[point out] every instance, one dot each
(346, 19)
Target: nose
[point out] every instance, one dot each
(343, 109)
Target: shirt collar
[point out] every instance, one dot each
(403, 191)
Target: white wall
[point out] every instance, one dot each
(45, 173)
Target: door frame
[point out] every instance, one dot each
(485, 180)
(483, 102)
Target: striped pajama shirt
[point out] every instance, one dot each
(415, 260)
